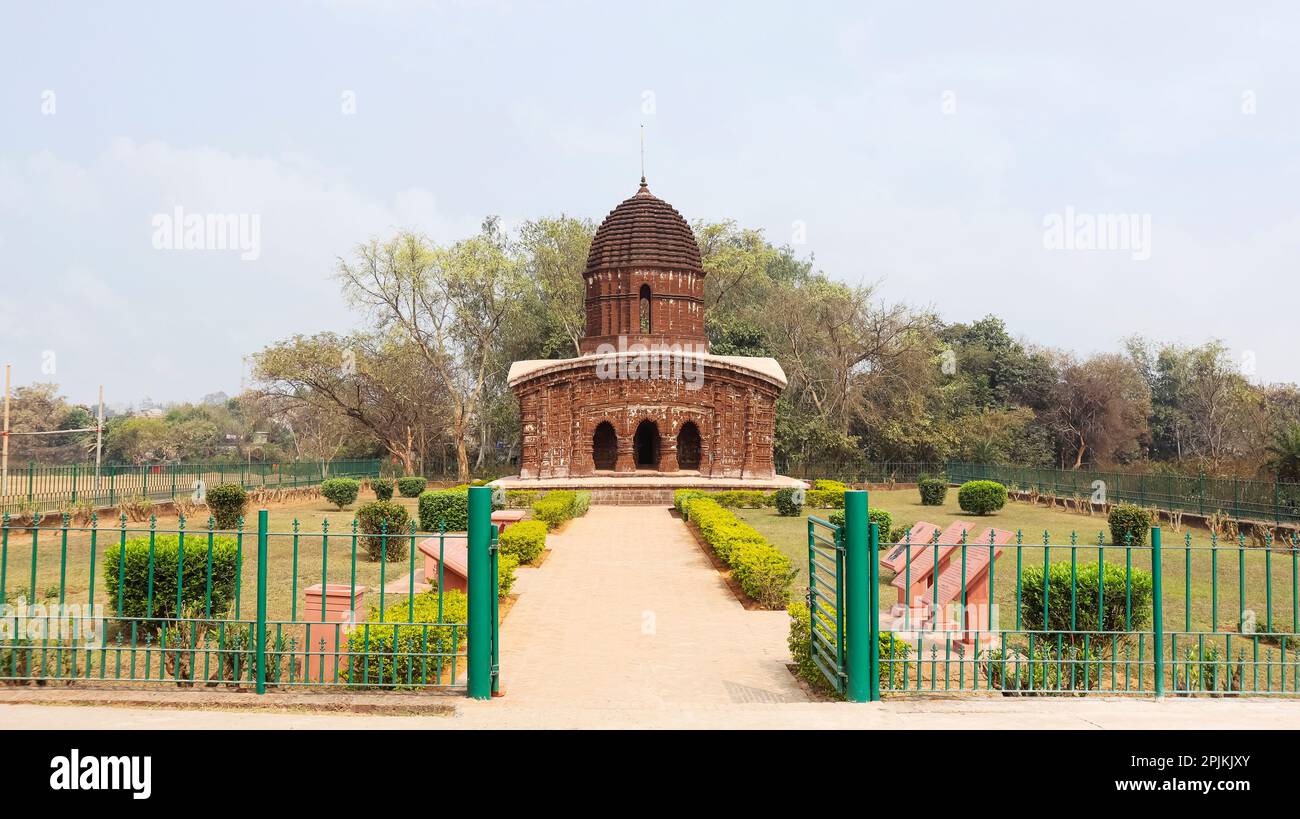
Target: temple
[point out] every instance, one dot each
(646, 399)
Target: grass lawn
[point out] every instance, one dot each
(315, 556)
(1260, 568)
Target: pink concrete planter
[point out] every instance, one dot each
(326, 639)
(504, 518)
(455, 552)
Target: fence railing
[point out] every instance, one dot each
(879, 472)
(1026, 618)
(41, 489)
(1238, 498)
(292, 607)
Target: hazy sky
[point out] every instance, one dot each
(921, 146)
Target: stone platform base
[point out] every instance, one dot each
(646, 488)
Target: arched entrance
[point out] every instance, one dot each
(688, 446)
(645, 445)
(604, 446)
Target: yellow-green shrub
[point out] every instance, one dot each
(762, 571)
(407, 655)
(525, 540)
(555, 508)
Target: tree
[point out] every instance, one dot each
(1099, 409)
(450, 304)
(1284, 454)
(378, 383)
(553, 253)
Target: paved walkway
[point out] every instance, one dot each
(628, 613)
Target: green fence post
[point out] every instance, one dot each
(1157, 612)
(482, 593)
(857, 593)
(873, 547)
(261, 601)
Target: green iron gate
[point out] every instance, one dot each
(826, 599)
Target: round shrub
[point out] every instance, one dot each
(883, 520)
(411, 486)
(227, 503)
(933, 491)
(383, 488)
(378, 518)
(981, 497)
(785, 504)
(525, 540)
(340, 491)
(1129, 524)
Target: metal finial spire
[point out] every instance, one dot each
(643, 155)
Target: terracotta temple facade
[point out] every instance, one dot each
(645, 397)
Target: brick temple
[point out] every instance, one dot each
(646, 401)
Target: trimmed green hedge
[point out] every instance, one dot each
(406, 656)
(506, 565)
(226, 502)
(1085, 593)
(444, 507)
(340, 491)
(411, 486)
(933, 491)
(382, 487)
(525, 540)
(824, 498)
(981, 497)
(759, 567)
(828, 485)
(1129, 525)
(556, 507)
(134, 566)
(883, 520)
(379, 517)
(785, 504)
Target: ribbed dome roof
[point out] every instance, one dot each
(644, 231)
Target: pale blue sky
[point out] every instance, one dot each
(922, 145)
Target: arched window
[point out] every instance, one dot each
(645, 445)
(688, 446)
(645, 308)
(604, 446)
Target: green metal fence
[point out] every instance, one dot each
(44, 489)
(826, 600)
(1239, 498)
(291, 608)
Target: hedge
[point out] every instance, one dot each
(441, 508)
(762, 571)
(166, 557)
(227, 502)
(555, 508)
(883, 520)
(785, 503)
(411, 486)
(383, 488)
(1129, 525)
(525, 540)
(1085, 597)
(933, 491)
(824, 498)
(731, 499)
(506, 565)
(800, 643)
(340, 491)
(405, 656)
(379, 517)
(826, 484)
(522, 498)
(981, 497)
